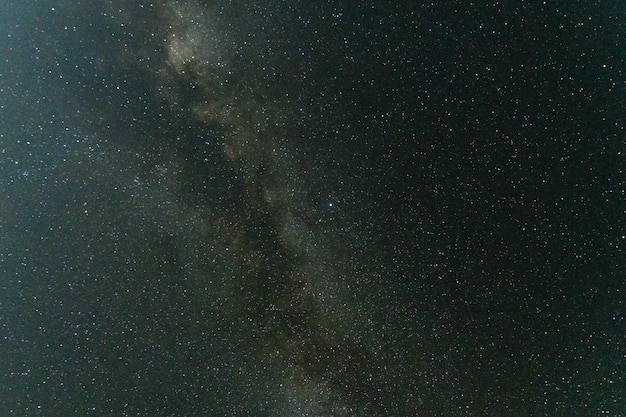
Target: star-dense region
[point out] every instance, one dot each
(303, 208)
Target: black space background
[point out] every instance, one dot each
(445, 236)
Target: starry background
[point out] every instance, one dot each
(216, 208)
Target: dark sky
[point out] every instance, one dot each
(216, 208)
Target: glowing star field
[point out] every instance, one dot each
(216, 208)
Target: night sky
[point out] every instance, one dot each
(312, 208)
